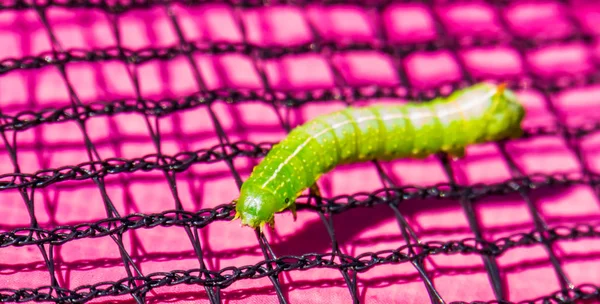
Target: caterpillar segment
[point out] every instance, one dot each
(481, 113)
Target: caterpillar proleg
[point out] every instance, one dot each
(481, 113)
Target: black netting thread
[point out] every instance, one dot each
(122, 6)
(25, 120)
(144, 55)
(65, 233)
(577, 293)
(182, 161)
(360, 263)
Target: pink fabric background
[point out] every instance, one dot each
(527, 271)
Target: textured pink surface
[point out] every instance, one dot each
(527, 271)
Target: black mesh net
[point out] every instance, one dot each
(140, 284)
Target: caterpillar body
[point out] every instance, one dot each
(481, 113)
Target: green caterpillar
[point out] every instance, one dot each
(481, 113)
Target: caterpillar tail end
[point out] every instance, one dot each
(501, 87)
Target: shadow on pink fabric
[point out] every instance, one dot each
(154, 114)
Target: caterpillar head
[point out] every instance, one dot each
(255, 206)
(505, 115)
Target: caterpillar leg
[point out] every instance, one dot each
(237, 214)
(263, 225)
(456, 153)
(419, 154)
(293, 210)
(271, 223)
(314, 189)
(516, 134)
